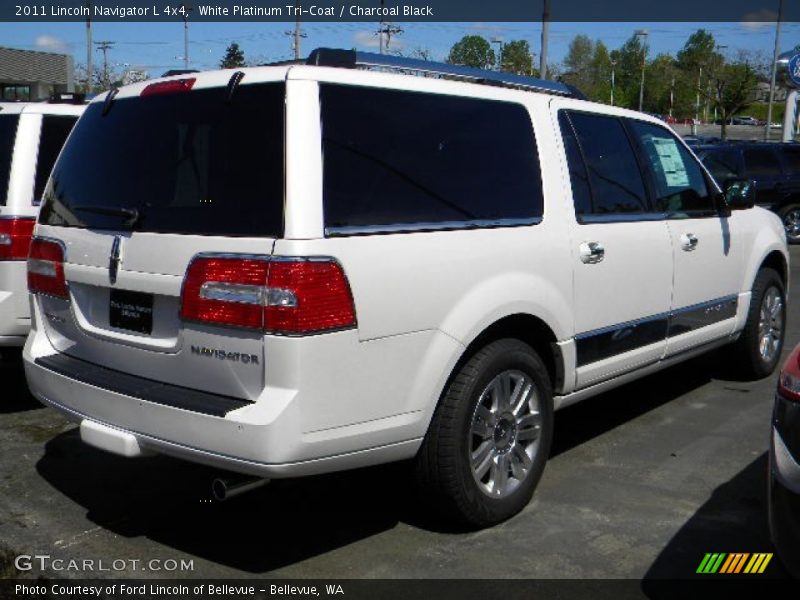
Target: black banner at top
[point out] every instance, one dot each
(400, 10)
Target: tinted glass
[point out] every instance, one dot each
(55, 130)
(581, 193)
(614, 174)
(394, 158)
(722, 164)
(187, 162)
(761, 162)
(679, 183)
(8, 133)
(791, 159)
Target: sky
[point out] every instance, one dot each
(156, 47)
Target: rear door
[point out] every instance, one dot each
(622, 255)
(144, 185)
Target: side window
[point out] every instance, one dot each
(791, 159)
(679, 182)
(614, 175)
(394, 158)
(55, 130)
(722, 164)
(581, 192)
(761, 162)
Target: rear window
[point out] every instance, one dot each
(191, 162)
(398, 160)
(8, 133)
(55, 130)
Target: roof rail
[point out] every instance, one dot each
(352, 59)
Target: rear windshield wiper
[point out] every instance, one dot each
(131, 215)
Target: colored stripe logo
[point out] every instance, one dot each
(737, 562)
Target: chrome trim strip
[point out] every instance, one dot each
(432, 226)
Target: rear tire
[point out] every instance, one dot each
(790, 216)
(490, 436)
(758, 349)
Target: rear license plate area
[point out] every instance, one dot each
(132, 311)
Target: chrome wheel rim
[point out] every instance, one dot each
(791, 223)
(770, 324)
(504, 434)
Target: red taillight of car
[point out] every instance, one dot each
(789, 379)
(15, 238)
(172, 86)
(46, 269)
(283, 296)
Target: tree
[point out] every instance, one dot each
(516, 58)
(629, 72)
(599, 89)
(578, 63)
(234, 57)
(472, 51)
(732, 89)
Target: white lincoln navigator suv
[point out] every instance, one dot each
(298, 269)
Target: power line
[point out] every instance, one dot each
(104, 47)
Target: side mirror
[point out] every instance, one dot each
(739, 194)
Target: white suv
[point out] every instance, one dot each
(292, 270)
(31, 136)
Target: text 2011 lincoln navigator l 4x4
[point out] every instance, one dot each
(298, 269)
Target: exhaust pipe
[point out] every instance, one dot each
(224, 489)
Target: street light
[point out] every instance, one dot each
(499, 42)
(613, 64)
(643, 34)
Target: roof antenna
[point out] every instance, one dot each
(112, 93)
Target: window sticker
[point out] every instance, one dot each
(671, 162)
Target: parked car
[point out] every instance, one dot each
(292, 270)
(31, 136)
(774, 167)
(744, 120)
(784, 466)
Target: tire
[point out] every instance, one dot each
(755, 354)
(790, 216)
(473, 425)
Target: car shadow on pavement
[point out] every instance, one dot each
(592, 417)
(169, 501)
(733, 519)
(286, 522)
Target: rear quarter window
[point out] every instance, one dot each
(8, 133)
(55, 130)
(408, 160)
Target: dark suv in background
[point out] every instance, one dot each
(774, 167)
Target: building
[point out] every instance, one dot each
(32, 75)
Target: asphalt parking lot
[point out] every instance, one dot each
(642, 482)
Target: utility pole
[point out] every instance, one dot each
(545, 35)
(187, 8)
(774, 70)
(642, 33)
(389, 30)
(296, 34)
(104, 47)
(89, 53)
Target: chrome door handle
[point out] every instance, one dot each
(592, 252)
(689, 241)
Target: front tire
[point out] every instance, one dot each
(758, 349)
(490, 436)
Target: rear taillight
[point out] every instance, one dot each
(15, 238)
(46, 269)
(284, 296)
(789, 379)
